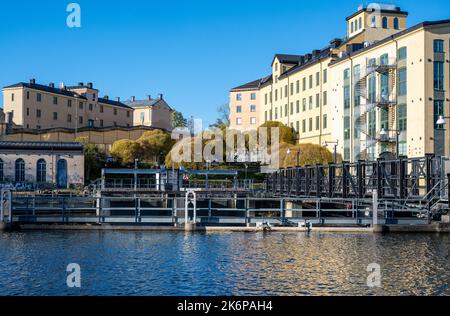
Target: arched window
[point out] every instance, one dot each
(41, 171)
(1, 171)
(374, 22)
(20, 170)
(385, 22)
(396, 26)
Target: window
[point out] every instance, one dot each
(38, 97)
(396, 26)
(402, 83)
(438, 76)
(317, 78)
(310, 124)
(325, 98)
(304, 126)
(347, 74)
(297, 106)
(385, 23)
(69, 103)
(238, 121)
(297, 126)
(69, 118)
(276, 113)
(80, 105)
(93, 97)
(286, 91)
(346, 97)
(265, 116)
(38, 113)
(55, 100)
(28, 111)
(90, 123)
(351, 28)
(253, 108)
(115, 111)
(142, 117)
(304, 84)
(438, 46)
(317, 123)
(91, 106)
(346, 127)
(238, 109)
(28, 95)
(265, 99)
(253, 96)
(276, 95)
(12, 97)
(304, 105)
(438, 111)
(115, 123)
(401, 120)
(325, 76)
(101, 108)
(238, 97)
(360, 23)
(20, 170)
(285, 110)
(310, 102)
(292, 88)
(101, 123)
(41, 171)
(292, 108)
(402, 53)
(2, 175)
(253, 120)
(317, 100)
(80, 120)
(374, 22)
(310, 81)
(297, 86)
(55, 116)
(325, 122)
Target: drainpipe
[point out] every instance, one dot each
(321, 104)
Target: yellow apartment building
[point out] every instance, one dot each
(380, 90)
(35, 106)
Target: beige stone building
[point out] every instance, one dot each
(42, 164)
(151, 112)
(245, 104)
(380, 89)
(39, 107)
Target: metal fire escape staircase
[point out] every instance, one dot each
(386, 103)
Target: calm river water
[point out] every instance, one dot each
(138, 263)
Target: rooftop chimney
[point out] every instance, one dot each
(118, 99)
(51, 85)
(149, 97)
(80, 84)
(90, 85)
(106, 97)
(336, 43)
(160, 96)
(133, 98)
(33, 81)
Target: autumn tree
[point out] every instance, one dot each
(286, 133)
(126, 151)
(155, 145)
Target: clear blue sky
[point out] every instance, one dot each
(193, 51)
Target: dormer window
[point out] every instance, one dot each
(385, 22)
(276, 66)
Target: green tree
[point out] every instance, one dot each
(94, 160)
(155, 145)
(287, 134)
(178, 120)
(126, 151)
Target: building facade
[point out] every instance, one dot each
(42, 164)
(245, 106)
(39, 107)
(151, 112)
(379, 90)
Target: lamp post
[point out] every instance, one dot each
(298, 155)
(336, 144)
(385, 133)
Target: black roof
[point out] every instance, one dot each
(248, 86)
(44, 88)
(53, 146)
(322, 54)
(287, 59)
(114, 103)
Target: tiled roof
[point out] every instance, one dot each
(48, 89)
(114, 103)
(59, 146)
